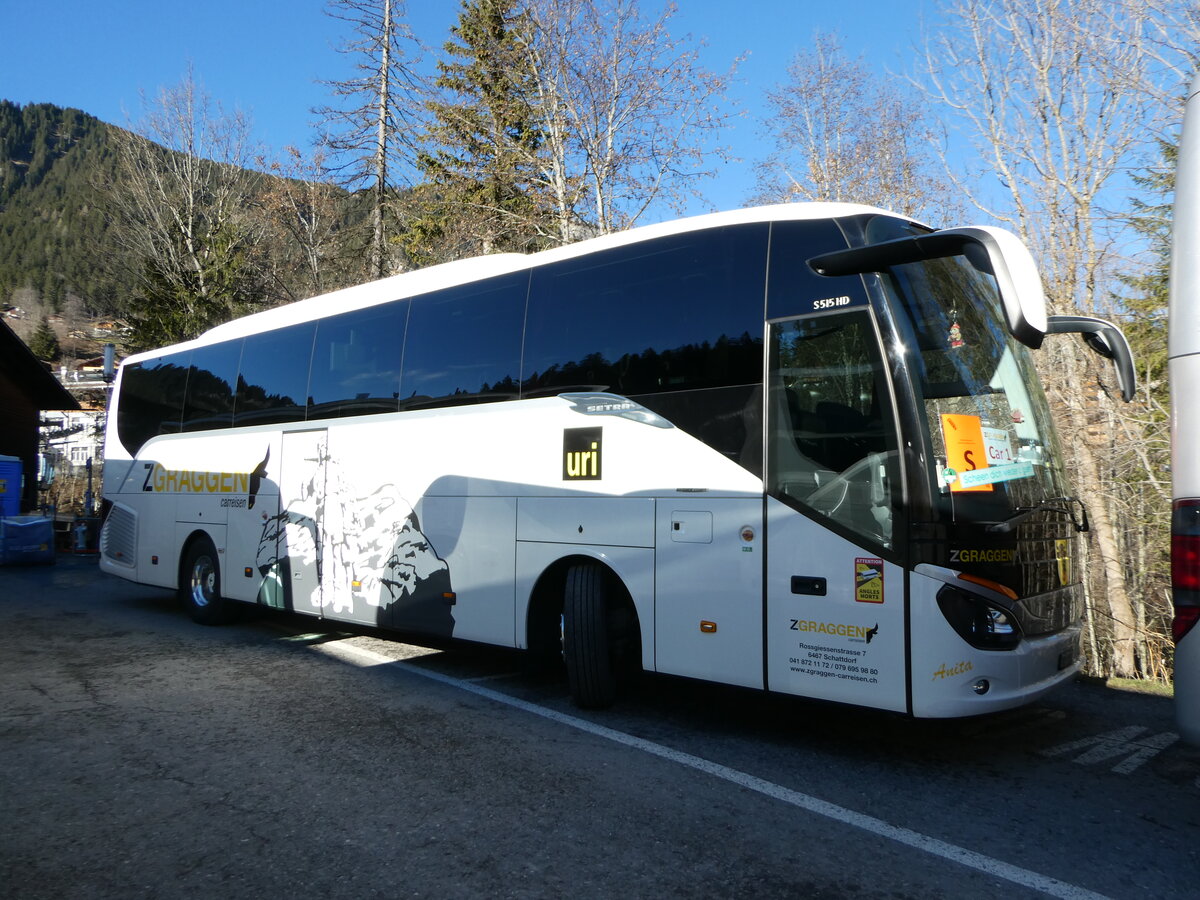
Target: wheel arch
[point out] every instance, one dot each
(195, 534)
(211, 609)
(545, 604)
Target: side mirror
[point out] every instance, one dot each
(998, 252)
(1104, 338)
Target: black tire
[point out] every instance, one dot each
(200, 585)
(586, 645)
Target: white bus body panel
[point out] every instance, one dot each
(602, 521)
(1183, 340)
(301, 535)
(335, 504)
(1185, 423)
(1184, 373)
(847, 644)
(708, 589)
(1187, 687)
(945, 668)
(476, 536)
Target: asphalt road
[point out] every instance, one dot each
(144, 756)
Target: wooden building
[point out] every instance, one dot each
(26, 388)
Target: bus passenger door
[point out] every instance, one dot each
(301, 510)
(835, 624)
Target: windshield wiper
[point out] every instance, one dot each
(1053, 504)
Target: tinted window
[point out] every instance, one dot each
(209, 400)
(794, 286)
(464, 344)
(674, 314)
(273, 378)
(728, 419)
(151, 400)
(832, 436)
(356, 362)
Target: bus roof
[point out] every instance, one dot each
(452, 274)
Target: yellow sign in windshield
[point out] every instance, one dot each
(965, 448)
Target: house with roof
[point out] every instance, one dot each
(27, 387)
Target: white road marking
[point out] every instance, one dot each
(993, 867)
(1124, 742)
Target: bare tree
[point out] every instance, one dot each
(628, 116)
(1057, 100)
(1172, 42)
(370, 128)
(842, 132)
(308, 213)
(180, 207)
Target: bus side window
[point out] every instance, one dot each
(151, 399)
(356, 362)
(676, 326)
(682, 314)
(209, 400)
(463, 344)
(273, 376)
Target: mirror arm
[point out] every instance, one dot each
(992, 250)
(1104, 338)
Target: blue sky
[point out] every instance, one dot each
(268, 57)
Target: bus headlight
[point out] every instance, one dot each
(981, 624)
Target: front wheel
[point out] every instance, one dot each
(200, 585)
(586, 646)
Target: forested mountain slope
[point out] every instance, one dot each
(54, 233)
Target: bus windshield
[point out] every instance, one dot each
(990, 438)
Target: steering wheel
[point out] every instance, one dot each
(831, 497)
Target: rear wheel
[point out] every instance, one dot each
(586, 645)
(200, 585)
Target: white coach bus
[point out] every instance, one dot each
(797, 448)
(1184, 351)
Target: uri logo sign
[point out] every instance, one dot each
(582, 454)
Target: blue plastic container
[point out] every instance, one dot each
(11, 474)
(26, 539)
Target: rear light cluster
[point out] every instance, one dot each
(983, 625)
(1185, 566)
(1185, 619)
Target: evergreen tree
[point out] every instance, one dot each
(173, 304)
(1146, 302)
(54, 233)
(1141, 466)
(65, 189)
(44, 342)
(483, 141)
